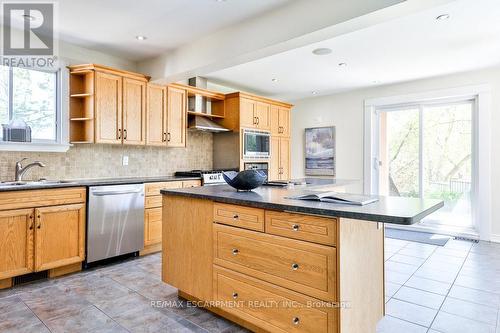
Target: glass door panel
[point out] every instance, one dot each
(447, 161)
(399, 153)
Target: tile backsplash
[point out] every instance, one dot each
(104, 161)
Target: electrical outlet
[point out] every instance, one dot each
(124, 160)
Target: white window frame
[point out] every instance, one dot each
(481, 145)
(60, 143)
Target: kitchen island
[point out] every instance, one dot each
(273, 264)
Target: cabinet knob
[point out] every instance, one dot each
(295, 227)
(235, 252)
(295, 266)
(235, 295)
(39, 226)
(235, 216)
(296, 320)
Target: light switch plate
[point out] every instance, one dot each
(124, 160)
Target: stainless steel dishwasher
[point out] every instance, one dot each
(115, 221)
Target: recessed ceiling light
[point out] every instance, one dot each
(29, 17)
(322, 51)
(342, 64)
(314, 92)
(443, 17)
(274, 79)
(375, 81)
(141, 37)
(220, 0)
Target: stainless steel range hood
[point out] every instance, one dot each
(201, 123)
(200, 104)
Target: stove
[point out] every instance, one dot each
(209, 177)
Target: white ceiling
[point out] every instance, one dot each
(111, 26)
(412, 47)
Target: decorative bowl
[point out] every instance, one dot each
(245, 180)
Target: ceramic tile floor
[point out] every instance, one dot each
(455, 288)
(450, 289)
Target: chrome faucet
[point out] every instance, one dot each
(20, 170)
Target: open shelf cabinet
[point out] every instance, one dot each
(81, 106)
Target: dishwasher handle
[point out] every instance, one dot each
(103, 193)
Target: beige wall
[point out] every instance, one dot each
(345, 111)
(100, 161)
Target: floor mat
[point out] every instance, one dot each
(417, 236)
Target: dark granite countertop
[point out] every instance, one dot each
(394, 210)
(92, 182)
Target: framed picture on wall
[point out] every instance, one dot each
(320, 151)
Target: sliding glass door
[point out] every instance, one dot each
(426, 151)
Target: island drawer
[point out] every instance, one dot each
(238, 216)
(314, 229)
(304, 267)
(269, 307)
(154, 188)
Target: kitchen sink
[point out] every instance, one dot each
(34, 183)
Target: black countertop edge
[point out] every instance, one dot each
(302, 208)
(95, 182)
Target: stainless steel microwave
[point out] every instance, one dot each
(256, 144)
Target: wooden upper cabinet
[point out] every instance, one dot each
(176, 117)
(247, 113)
(134, 112)
(274, 120)
(156, 115)
(16, 242)
(59, 236)
(284, 121)
(108, 100)
(280, 121)
(262, 113)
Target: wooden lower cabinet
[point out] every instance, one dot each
(59, 236)
(153, 212)
(16, 242)
(326, 276)
(270, 307)
(44, 230)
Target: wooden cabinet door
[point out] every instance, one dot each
(152, 226)
(285, 158)
(248, 113)
(176, 117)
(156, 131)
(134, 112)
(108, 111)
(263, 116)
(274, 120)
(274, 162)
(59, 236)
(16, 242)
(284, 122)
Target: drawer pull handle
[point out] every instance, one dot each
(295, 266)
(235, 252)
(296, 320)
(235, 216)
(235, 295)
(295, 227)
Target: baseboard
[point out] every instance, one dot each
(495, 238)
